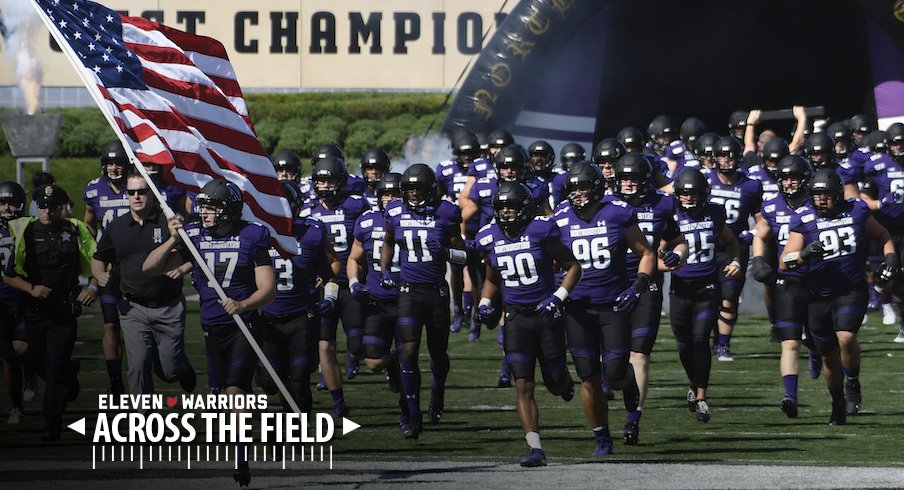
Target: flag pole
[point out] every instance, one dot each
(167, 211)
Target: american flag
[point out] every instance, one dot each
(176, 98)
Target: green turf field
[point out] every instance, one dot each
(481, 424)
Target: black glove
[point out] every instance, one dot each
(761, 270)
(890, 268)
(814, 249)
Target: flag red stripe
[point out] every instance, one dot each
(161, 54)
(186, 89)
(189, 42)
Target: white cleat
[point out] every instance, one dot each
(900, 338)
(889, 316)
(31, 388)
(15, 416)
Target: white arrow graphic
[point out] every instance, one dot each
(78, 426)
(347, 425)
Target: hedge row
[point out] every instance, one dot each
(297, 122)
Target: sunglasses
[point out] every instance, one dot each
(140, 192)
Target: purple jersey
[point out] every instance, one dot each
(371, 198)
(771, 189)
(523, 261)
(778, 214)
(842, 266)
(106, 203)
(678, 152)
(340, 224)
(370, 230)
(354, 185)
(172, 195)
(484, 190)
(885, 172)
(852, 172)
(599, 246)
(559, 183)
(452, 177)
(656, 219)
(701, 232)
(295, 276)
(417, 234)
(740, 200)
(232, 259)
(481, 169)
(891, 214)
(6, 251)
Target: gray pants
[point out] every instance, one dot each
(154, 335)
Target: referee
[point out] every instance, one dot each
(152, 308)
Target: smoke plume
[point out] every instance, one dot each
(20, 24)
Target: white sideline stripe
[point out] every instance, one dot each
(559, 122)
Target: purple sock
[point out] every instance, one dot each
(411, 383)
(114, 370)
(873, 295)
(790, 382)
(632, 396)
(440, 372)
(724, 339)
(505, 364)
(634, 416)
(850, 372)
(467, 302)
(337, 396)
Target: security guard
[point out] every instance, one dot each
(49, 253)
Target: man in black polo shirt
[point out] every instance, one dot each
(152, 310)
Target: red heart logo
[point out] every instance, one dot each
(171, 401)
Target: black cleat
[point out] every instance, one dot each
(568, 395)
(189, 381)
(839, 416)
(435, 412)
(415, 427)
(242, 475)
(632, 433)
(789, 406)
(691, 401)
(853, 397)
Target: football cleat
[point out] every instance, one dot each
(838, 417)
(457, 321)
(900, 338)
(852, 396)
(474, 332)
(15, 416)
(889, 317)
(691, 401)
(723, 353)
(415, 427)
(535, 458)
(189, 380)
(435, 412)
(31, 388)
(603, 443)
(340, 409)
(702, 411)
(789, 406)
(242, 474)
(351, 367)
(632, 430)
(505, 380)
(607, 390)
(814, 366)
(568, 395)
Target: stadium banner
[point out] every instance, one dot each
(315, 44)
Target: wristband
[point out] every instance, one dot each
(331, 291)
(561, 293)
(485, 302)
(735, 263)
(93, 287)
(458, 257)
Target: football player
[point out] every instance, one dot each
(519, 250)
(656, 219)
(599, 229)
(381, 305)
(13, 339)
(741, 198)
(832, 241)
(819, 148)
(790, 291)
(237, 252)
(426, 229)
(374, 163)
(695, 293)
(338, 210)
(105, 199)
(292, 321)
(571, 153)
(605, 154)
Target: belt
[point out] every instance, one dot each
(521, 309)
(219, 328)
(793, 280)
(154, 303)
(595, 306)
(430, 285)
(285, 318)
